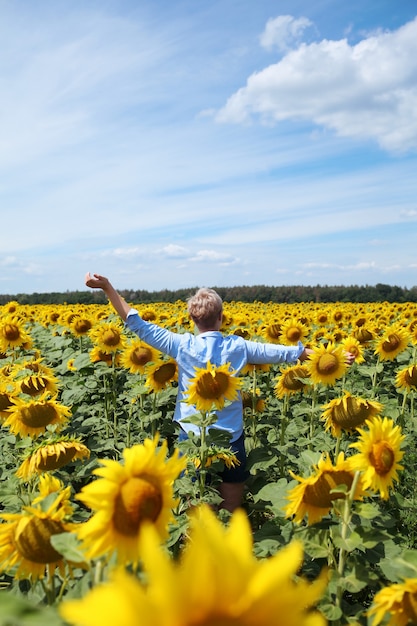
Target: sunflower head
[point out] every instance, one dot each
(398, 603)
(348, 413)
(161, 374)
(126, 497)
(407, 378)
(291, 380)
(137, 355)
(394, 341)
(379, 455)
(33, 417)
(212, 386)
(238, 588)
(108, 336)
(52, 454)
(293, 331)
(326, 364)
(314, 496)
(25, 538)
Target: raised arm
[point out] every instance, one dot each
(96, 281)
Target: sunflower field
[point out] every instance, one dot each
(106, 518)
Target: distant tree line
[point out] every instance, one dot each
(256, 293)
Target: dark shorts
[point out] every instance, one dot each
(238, 474)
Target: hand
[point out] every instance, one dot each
(349, 357)
(96, 281)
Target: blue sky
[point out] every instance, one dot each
(173, 144)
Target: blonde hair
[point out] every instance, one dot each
(204, 307)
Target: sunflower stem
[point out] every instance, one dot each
(337, 447)
(203, 457)
(253, 420)
(374, 377)
(313, 408)
(114, 397)
(345, 521)
(284, 423)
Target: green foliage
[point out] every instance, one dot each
(363, 545)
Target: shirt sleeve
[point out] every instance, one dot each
(159, 338)
(261, 353)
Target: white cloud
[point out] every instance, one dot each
(174, 251)
(215, 257)
(283, 32)
(364, 91)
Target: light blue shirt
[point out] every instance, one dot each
(192, 351)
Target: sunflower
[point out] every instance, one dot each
(33, 417)
(252, 368)
(81, 326)
(379, 455)
(291, 380)
(6, 395)
(314, 496)
(212, 386)
(51, 455)
(353, 345)
(397, 603)
(273, 332)
(293, 331)
(126, 497)
(160, 374)
(364, 334)
(37, 383)
(13, 334)
(326, 364)
(25, 538)
(216, 454)
(108, 336)
(406, 378)
(137, 355)
(97, 355)
(392, 342)
(253, 401)
(232, 586)
(348, 412)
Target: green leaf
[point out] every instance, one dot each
(67, 544)
(331, 611)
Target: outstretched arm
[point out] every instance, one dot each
(96, 281)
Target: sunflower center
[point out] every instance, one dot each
(351, 413)
(5, 402)
(274, 331)
(327, 364)
(111, 337)
(55, 460)
(410, 607)
(34, 385)
(322, 493)
(11, 332)
(291, 379)
(37, 415)
(411, 376)
(139, 499)
(165, 372)
(82, 326)
(212, 387)
(382, 457)
(363, 335)
(141, 356)
(392, 343)
(34, 540)
(293, 333)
